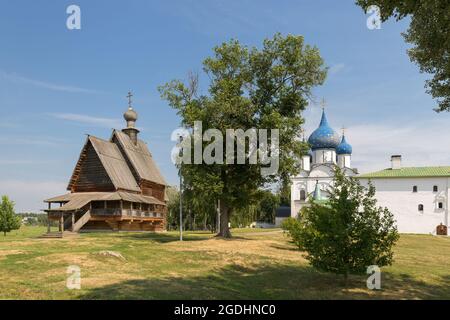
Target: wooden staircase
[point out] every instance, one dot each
(82, 221)
(68, 234)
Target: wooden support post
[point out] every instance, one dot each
(73, 220)
(61, 223)
(48, 217)
(121, 207)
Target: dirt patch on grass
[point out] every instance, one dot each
(86, 260)
(5, 253)
(240, 248)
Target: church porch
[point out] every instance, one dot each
(78, 212)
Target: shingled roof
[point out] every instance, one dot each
(140, 158)
(113, 162)
(74, 201)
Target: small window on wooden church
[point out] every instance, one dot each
(435, 188)
(420, 207)
(440, 205)
(302, 195)
(415, 189)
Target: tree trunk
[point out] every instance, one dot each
(346, 279)
(224, 219)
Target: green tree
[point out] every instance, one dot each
(349, 232)
(173, 207)
(267, 206)
(8, 219)
(249, 88)
(429, 33)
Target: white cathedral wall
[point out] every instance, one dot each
(307, 181)
(397, 195)
(309, 185)
(324, 156)
(344, 161)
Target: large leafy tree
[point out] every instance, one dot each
(8, 219)
(348, 233)
(429, 33)
(258, 88)
(267, 206)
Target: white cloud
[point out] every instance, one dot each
(12, 140)
(5, 162)
(85, 119)
(334, 69)
(15, 78)
(29, 195)
(8, 125)
(421, 143)
(425, 143)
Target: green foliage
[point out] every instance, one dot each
(173, 208)
(264, 88)
(8, 219)
(347, 234)
(262, 210)
(429, 33)
(268, 205)
(198, 214)
(293, 227)
(36, 219)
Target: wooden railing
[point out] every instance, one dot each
(126, 212)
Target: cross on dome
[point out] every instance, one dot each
(129, 99)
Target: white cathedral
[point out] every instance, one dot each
(417, 196)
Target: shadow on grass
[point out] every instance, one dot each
(269, 282)
(285, 247)
(165, 237)
(171, 237)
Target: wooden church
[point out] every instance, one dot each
(116, 185)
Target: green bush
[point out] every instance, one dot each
(348, 233)
(8, 219)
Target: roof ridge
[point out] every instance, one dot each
(425, 171)
(97, 138)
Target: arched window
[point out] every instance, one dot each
(435, 188)
(415, 189)
(420, 207)
(302, 194)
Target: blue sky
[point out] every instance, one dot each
(56, 85)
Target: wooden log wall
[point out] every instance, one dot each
(92, 176)
(152, 189)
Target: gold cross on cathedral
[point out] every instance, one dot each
(343, 130)
(322, 103)
(129, 98)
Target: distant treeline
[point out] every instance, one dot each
(35, 219)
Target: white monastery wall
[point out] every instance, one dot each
(397, 195)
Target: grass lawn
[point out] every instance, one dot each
(253, 265)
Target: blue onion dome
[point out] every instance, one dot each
(324, 137)
(344, 147)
